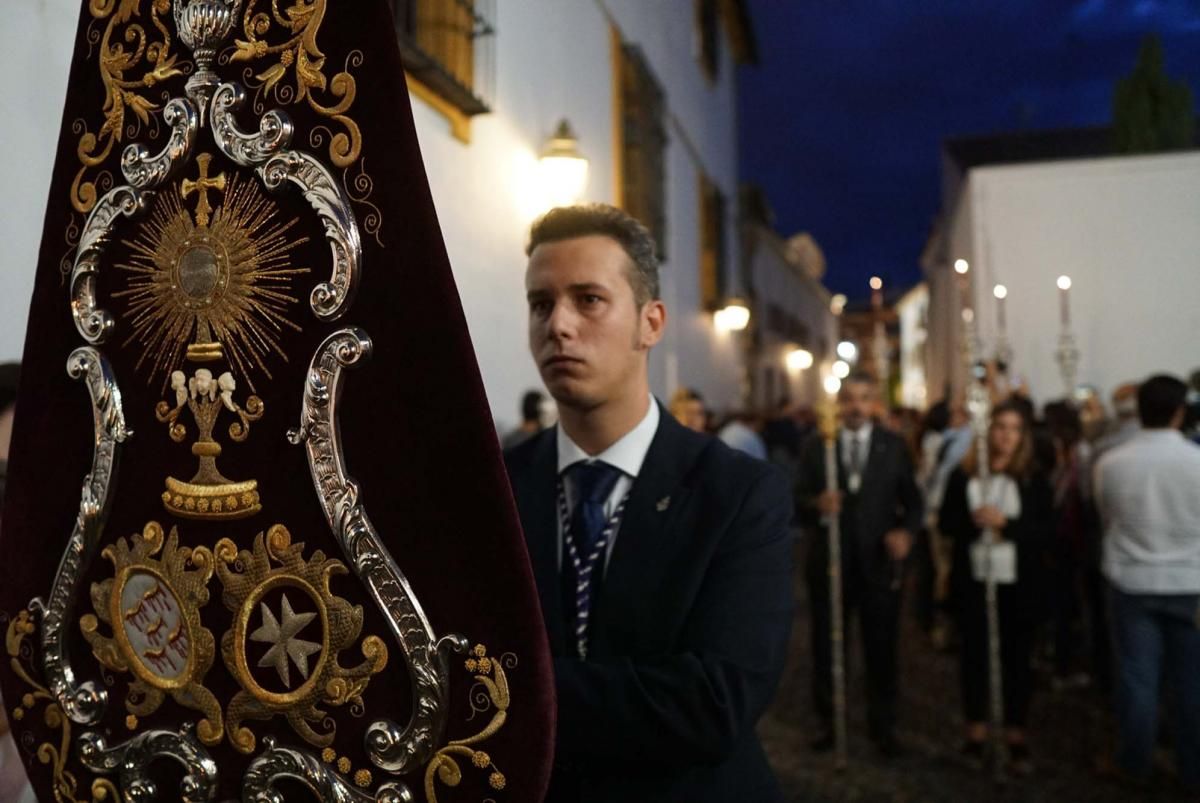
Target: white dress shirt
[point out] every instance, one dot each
(627, 454)
(1148, 492)
(852, 440)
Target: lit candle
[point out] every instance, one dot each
(1064, 300)
(1001, 293)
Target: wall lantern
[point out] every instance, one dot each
(799, 359)
(563, 168)
(734, 317)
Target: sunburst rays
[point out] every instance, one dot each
(229, 282)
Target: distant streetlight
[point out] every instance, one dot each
(1064, 282)
(876, 283)
(799, 359)
(847, 351)
(733, 317)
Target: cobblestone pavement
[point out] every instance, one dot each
(1069, 733)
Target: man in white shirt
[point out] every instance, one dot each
(1148, 494)
(662, 557)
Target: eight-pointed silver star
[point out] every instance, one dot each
(283, 641)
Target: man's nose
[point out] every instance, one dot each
(561, 323)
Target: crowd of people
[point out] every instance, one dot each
(1097, 534)
(1085, 525)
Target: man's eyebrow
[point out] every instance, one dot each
(587, 287)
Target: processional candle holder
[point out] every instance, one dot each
(828, 422)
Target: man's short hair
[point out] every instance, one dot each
(860, 377)
(531, 405)
(584, 220)
(1159, 399)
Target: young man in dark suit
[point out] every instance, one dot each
(880, 509)
(662, 557)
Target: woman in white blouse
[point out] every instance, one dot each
(1017, 503)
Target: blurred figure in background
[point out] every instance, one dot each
(1146, 494)
(931, 560)
(533, 419)
(880, 512)
(687, 406)
(14, 784)
(1126, 424)
(1075, 542)
(1017, 506)
(743, 431)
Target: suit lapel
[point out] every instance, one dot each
(538, 502)
(876, 456)
(646, 540)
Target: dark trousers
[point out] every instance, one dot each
(1016, 650)
(878, 607)
(1155, 638)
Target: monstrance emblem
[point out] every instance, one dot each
(205, 288)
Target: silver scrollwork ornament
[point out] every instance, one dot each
(129, 761)
(390, 747)
(145, 171)
(93, 323)
(83, 702)
(277, 763)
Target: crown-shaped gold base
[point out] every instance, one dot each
(234, 500)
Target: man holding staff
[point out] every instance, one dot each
(879, 511)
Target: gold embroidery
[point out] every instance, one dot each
(65, 784)
(201, 186)
(209, 494)
(204, 289)
(121, 93)
(153, 607)
(250, 581)
(300, 53)
(489, 672)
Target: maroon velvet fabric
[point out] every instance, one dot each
(415, 423)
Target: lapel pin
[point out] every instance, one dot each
(663, 504)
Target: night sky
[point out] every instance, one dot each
(842, 121)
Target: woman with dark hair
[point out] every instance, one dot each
(1017, 504)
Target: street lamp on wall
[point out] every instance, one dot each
(563, 169)
(733, 317)
(798, 360)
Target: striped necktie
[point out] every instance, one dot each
(586, 534)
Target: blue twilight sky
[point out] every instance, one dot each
(842, 121)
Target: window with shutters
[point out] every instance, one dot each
(447, 47)
(643, 144)
(712, 244)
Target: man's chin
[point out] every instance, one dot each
(570, 393)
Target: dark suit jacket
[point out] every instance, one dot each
(689, 635)
(887, 499)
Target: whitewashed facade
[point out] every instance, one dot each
(1123, 228)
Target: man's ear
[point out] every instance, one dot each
(654, 322)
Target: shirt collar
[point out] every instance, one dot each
(863, 433)
(627, 454)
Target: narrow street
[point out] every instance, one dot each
(1069, 732)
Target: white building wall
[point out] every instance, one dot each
(553, 60)
(35, 32)
(1124, 229)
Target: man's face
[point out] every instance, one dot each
(856, 403)
(588, 336)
